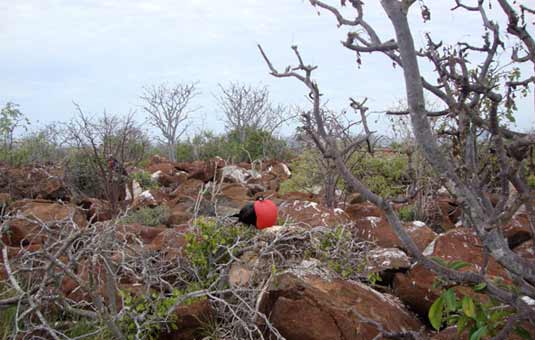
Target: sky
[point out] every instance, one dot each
(101, 53)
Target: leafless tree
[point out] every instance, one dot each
(247, 107)
(339, 125)
(104, 137)
(470, 92)
(168, 108)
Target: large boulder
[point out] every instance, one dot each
(358, 211)
(178, 216)
(170, 242)
(386, 259)
(299, 196)
(189, 188)
(378, 230)
(204, 171)
(33, 182)
(32, 216)
(237, 174)
(314, 308)
(234, 195)
(312, 214)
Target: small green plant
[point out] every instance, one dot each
(207, 246)
(481, 319)
(407, 213)
(334, 249)
(82, 328)
(306, 174)
(531, 181)
(150, 311)
(147, 216)
(374, 277)
(145, 180)
(385, 174)
(7, 322)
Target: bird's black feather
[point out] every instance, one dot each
(247, 214)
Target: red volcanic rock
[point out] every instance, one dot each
(313, 308)
(362, 210)
(378, 230)
(312, 214)
(32, 215)
(190, 321)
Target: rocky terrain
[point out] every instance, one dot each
(320, 274)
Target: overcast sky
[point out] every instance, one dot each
(100, 53)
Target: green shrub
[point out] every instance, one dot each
(481, 319)
(7, 322)
(147, 216)
(82, 174)
(258, 144)
(206, 247)
(407, 213)
(145, 180)
(306, 174)
(384, 174)
(531, 181)
(337, 249)
(151, 310)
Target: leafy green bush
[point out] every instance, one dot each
(385, 174)
(531, 181)
(147, 216)
(206, 247)
(407, 213)
(482, 319)
(153, 312)
(82, 174)
(306, 174)
(258, 144)
(336, 249)
(145, 180)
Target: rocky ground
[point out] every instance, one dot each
(321, 274)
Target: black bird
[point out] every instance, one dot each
(260, 214)
(247, 215)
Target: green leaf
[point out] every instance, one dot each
(479, 333)
(435, 313)
(451, 300)
(469, 308)
(462, 322)
(480, 286)
(523, 333)
(458, 264)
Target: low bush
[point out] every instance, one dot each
(144, 179)
(82, 174)
(147, 216)
(207, 247)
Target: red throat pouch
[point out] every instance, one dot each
(266, 214)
